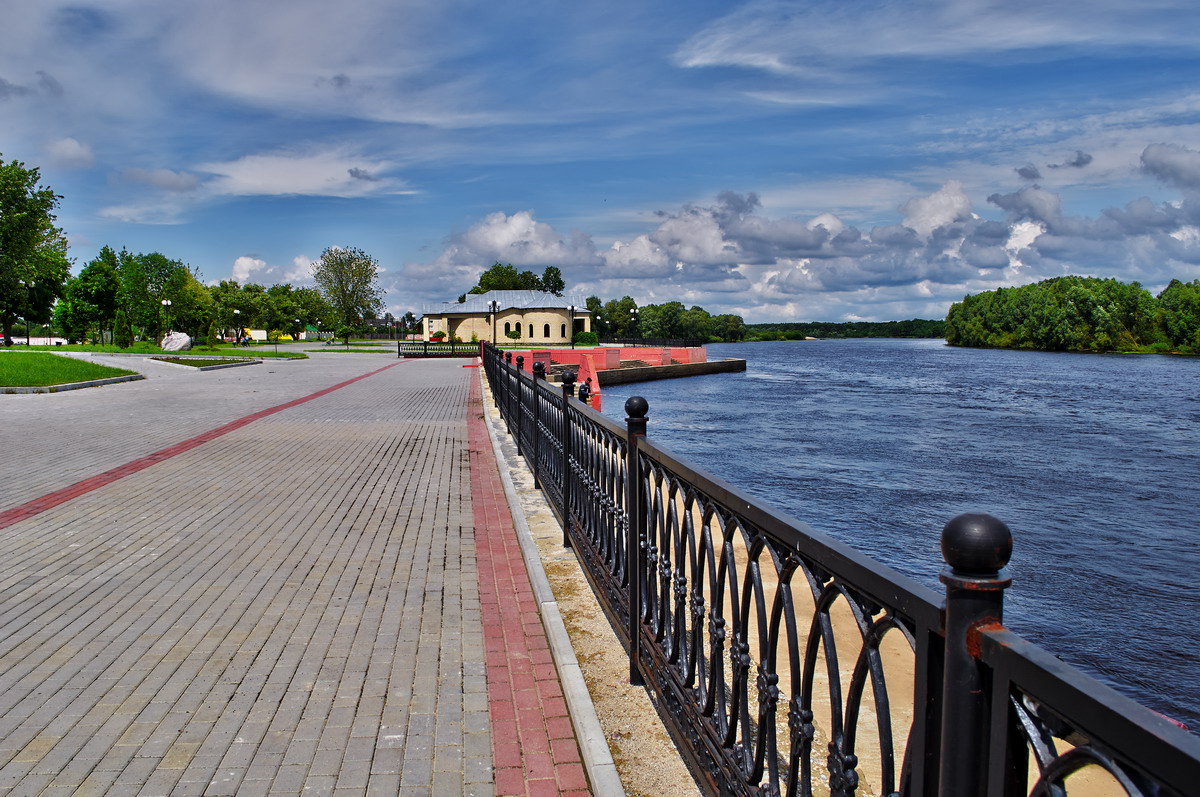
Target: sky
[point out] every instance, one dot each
(785, 161)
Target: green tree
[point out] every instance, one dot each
(33, 252)
(552, 281)
(1179, 315)
(502, 277)
(348, 279)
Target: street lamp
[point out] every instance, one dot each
(166, 303)
(493, 308)
(237, 320)
(298, 330)
(633, 315)
(571, 328)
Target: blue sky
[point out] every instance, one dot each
(780, 160)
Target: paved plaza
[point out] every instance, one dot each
(267, 580)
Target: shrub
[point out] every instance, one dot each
(587, 339)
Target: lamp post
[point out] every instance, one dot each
(166, 303)
(494, 307)
(633, 315)
(237, 322)
(298, 331)
(571, 328)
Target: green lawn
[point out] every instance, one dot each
(42, 370)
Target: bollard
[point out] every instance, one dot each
(568, 392)
(976, 549)
(635, 515)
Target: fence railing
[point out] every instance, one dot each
(785, 662)
(422, 348)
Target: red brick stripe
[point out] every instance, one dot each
(534, 749)
(38, 505)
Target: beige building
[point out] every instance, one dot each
(540, 317)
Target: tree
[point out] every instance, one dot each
(552, 281)
(501, 277)
(33, 252)
(348, 279)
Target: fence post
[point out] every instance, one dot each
(976, 549)
(539, 374)
(520, 402)
(568, 392)
(636, 408)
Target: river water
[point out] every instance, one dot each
(1093, 461)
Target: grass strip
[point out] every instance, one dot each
(43, 370)
(194, 362)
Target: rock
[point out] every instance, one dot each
(176, 341)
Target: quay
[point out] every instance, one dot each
(296, 578)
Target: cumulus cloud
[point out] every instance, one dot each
(67, 153)
(245, 265)
(948, 204)
(1173, 164)
(1028, 172)
(729, 255)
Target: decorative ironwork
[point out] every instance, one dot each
(786, 663)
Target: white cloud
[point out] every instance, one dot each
(245, 266)
(946, 205)
(329, 173)
(67, 153)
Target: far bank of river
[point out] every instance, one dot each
(1092, 460)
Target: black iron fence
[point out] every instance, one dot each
(423, 348)
(785, 662)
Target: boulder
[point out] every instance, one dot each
(176, 341)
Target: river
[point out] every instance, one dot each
(1093, 461)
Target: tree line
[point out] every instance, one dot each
(120, 296)
(913, 328)
(1080, 314)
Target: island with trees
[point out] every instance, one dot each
(1084, 314)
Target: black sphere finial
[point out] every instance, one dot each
(568, 378)
(636, 407)
(976, 544)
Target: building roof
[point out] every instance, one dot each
(477, 303)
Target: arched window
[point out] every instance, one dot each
(531, 331)
(507, 327)
(564, 330)
(546, 331)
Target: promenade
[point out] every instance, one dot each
(286, 578)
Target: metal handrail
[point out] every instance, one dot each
(771, 649)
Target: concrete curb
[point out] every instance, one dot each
(593, 746)
(112, 380)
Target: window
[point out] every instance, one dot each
(531, 331)
(507, 328)
(546, 331)
(564, 331)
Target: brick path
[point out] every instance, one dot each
(291, 606)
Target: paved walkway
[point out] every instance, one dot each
(268, 580)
